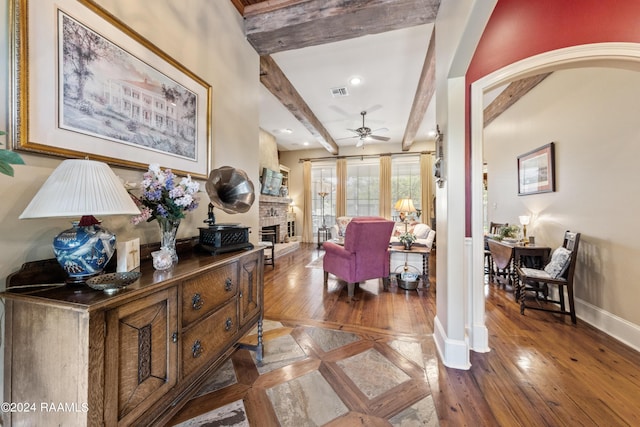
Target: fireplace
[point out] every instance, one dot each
(273, 214)
(271, 230)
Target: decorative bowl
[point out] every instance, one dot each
(111, 283)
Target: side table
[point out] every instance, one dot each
(324, 234)
(415, 249)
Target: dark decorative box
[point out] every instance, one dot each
(221, 238)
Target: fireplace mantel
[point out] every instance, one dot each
(274, 199)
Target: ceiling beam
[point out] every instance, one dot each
(272, 77)
(294, 24)
(510, 96)
(423, 96)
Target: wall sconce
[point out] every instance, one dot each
(438, 166)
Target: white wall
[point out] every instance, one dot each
(591, 115)
(207, 38)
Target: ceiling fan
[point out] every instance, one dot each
(364, 133)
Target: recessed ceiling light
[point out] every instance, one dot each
(305, 143)
(286, 131)
(355, 80)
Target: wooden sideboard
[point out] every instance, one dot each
(75, 356)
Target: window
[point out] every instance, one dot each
(363, 187)
(405, 182)
(323, 180)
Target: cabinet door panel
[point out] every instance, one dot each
(251, 270)
(205, 293)
(141, 354)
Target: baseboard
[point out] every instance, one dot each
(620, 329)
(453, 353)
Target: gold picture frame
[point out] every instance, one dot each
(139, 106)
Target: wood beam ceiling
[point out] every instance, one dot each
(272, 77)
(423, 96)
(273, 27)
(510, 96)
(277, 25)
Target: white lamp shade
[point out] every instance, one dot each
(524, 219)
(81, 187)
(404, 205)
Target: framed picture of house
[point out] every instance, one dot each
(536, 171)
(86, 85)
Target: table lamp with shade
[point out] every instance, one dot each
(404, 207)
(82, 188)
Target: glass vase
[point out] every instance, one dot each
(168, 232)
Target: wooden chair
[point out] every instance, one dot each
(268, 239)
(558, 272)
(494, 227)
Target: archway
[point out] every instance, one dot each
(612, 55)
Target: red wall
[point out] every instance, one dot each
(519, 29)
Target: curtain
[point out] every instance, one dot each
(426, 172)
(385, 186)
(341, 187)
(307, 222)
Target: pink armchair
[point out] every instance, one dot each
(365, 254)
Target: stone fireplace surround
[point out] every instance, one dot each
(273, 211)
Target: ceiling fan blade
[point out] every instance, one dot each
(340, 111)
(380, 130)
(348, 137)
(379, 138)
(373, 108)
(354, 130)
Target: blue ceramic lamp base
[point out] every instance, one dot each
(84, 250)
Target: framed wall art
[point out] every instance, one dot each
(536, 171)
(86, 85)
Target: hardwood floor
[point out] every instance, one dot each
(541, 370)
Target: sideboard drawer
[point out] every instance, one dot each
(205, 293)
(207, 339)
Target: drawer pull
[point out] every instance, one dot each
(174, 337)
(228, 284)
(197, 302)
(228, 324)
(197, 349)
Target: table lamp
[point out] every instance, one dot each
(404, 206)
(82, 188)
(524, 220)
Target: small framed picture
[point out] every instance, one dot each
(536, 171)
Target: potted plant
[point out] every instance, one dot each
(407, 239)
(7, 158)
(509, 233)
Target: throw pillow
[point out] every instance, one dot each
(342, 222)
(559, 262)
(421, 231)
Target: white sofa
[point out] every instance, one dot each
(424, 234)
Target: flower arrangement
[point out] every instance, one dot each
(407, 238)
(163, 197)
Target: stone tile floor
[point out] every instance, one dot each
(317, 376)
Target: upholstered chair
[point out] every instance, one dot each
(365, 254)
